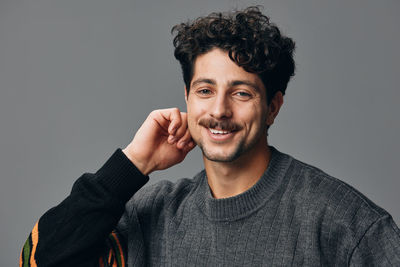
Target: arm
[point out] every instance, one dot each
(74, 232)
(79, 231)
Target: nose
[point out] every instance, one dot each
(221, 107)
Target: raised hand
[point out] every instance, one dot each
(162, 141)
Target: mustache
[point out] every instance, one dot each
(223, 125)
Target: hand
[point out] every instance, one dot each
(162, 141)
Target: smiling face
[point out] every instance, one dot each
(227, 108)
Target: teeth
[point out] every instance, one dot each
(214, 131)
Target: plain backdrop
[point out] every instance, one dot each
(78, 77)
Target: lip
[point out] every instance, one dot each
(220, 137)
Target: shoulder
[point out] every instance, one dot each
(343, 222)
(333, 193)
(340, 215)
(331, 204)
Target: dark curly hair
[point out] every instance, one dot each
(251, 40)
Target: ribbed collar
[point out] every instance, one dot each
(234, 208)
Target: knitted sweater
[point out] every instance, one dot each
(295, 215)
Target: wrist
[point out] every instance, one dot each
(141, 165)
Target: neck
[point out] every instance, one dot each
(228, 179)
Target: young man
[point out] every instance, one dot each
(251, 206)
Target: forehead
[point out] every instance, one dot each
(216, 65)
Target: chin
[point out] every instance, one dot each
(222, 156)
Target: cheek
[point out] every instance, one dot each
(260, 112)
(255, 119)
(191, 120)
(195, 110)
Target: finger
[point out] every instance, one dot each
(181, 130)
(189, 146)
(184, 140)
(173, 115)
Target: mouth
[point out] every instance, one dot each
(219, 135)
(220, 131)
(216, 131)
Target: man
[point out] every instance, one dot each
(251, 206)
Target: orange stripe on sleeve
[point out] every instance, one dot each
(35, 239)
(121, 252)
(20, 259)
(110, 253)
(101, 263)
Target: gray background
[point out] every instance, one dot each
(78, 77)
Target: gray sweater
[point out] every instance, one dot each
(295, 215)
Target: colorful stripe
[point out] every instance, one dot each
(101, 262)
(35, 239)
(27, 257)
(26, 253)
(118, 249)
(115, 256)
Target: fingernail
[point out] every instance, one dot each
(172, 139)
(182, 144)
(172, 131)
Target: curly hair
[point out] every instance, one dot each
(251, 40)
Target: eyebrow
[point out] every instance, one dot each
(230, 84)
(203, 80)
(244, 82)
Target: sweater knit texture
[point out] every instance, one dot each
(295, 215)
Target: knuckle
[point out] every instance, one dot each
(154, 112)
(175, 110)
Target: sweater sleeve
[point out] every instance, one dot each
(81, 230)
(380, 245)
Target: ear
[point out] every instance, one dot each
(186, 96)
(274, 107)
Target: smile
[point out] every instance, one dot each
(215, 131)
(220, 136)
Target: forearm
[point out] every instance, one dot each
(74, 233)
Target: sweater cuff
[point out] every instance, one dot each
(120, 176)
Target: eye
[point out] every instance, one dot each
(243, 94)
(204, 91)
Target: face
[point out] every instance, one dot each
(227, 108)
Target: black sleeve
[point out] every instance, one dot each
(79, 230)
